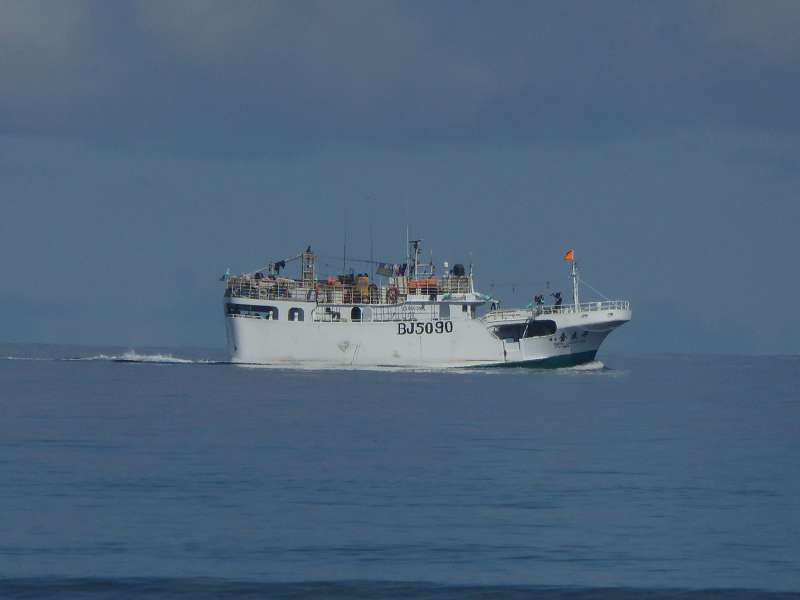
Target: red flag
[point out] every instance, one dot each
(570, 255)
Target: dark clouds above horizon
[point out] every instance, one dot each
(167, 140)
(254, 76)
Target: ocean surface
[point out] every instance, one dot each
(169, 474)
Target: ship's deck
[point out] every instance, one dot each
(337, 293)
(521, 314)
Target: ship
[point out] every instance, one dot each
(412, 314)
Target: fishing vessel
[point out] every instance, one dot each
(410, 314)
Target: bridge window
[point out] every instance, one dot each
(296, 314)
(539, 328)
(252, 310)
(515, 331)
(509, 333)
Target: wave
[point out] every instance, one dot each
(323, 366)
(130, 356)
(149, 587)
(595, 365)
(135, 357)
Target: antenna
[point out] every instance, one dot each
(371, 249)
(344, 254)
(407, 249)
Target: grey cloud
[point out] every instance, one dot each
(259, 76)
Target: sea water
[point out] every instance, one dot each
(168, 473)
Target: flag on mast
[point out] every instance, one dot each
(570, 255)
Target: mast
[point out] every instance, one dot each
(407, 249)
(308, 267)
(414, 253)
(344, 250)
(371, 252)
(575, 298)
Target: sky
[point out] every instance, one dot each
(147, 146)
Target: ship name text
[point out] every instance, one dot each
(426, 328)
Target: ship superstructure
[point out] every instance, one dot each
(406, 315)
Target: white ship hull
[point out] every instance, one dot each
(460, 341)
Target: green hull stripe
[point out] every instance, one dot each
(554, 362)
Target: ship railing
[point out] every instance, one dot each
(340, 293)
(379, 314)
(260, 289)
(321, 293)
(515, 314)
(428, 286)
(403, 312)
(455, 285)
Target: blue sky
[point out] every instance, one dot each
(147, 146)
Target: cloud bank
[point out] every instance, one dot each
(265, 76)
